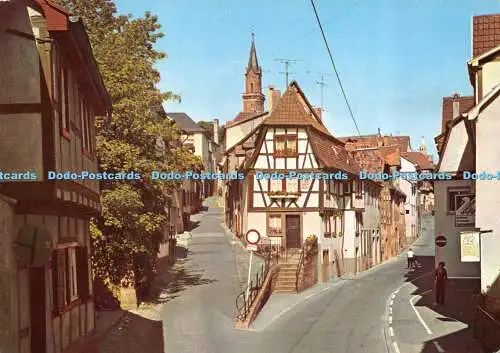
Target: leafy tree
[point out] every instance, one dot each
(208, 126)
(133, 212)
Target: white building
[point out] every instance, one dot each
(471, 145)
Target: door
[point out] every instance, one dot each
(293, 231)
(37, 309)
(325, 264)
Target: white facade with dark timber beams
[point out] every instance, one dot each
(293, 139)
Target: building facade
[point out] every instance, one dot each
(468, 145)
(52, 92)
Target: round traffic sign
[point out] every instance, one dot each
(440, 241)
(252, 236)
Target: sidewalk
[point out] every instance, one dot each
(447, 328)
(242, 258)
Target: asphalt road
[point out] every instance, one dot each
(350, 316)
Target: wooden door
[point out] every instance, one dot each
(37, 309)
(293, 231)
(325, 265)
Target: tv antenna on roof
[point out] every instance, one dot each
(287, 63)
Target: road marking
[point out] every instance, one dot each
(391, 331)
(390, 310)
(284, 311)
(396, 347)
(438, 347)
(392, 302)
(393, 295)
(390, 319)
(419, 316)
(397, 291)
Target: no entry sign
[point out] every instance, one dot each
(440, 241)
(252, 236)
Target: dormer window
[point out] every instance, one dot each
(285, 145)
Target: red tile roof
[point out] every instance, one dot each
(294, 110)
(332, 153)
(465, 104)
(390, 154)
(242, 117)
(419, 159)
(369, 160)
(373, 141)
(485, 33)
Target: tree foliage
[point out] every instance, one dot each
(137, 138)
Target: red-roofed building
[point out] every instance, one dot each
(469, 144)
(51, 93)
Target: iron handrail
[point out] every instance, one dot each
(244, 303)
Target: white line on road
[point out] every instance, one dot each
(390, 319)
(277, 316)
(391, 331)
(393, 295)
(390, 310)
(396, 347)
(438, 347)
(419, 316)
(392, 302)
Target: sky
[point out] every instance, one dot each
(396, 59)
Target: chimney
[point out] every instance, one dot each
(274, 98)
(216, 130)
(456, 105)
(318, 112)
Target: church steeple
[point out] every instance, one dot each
(253, 99)
(253, 63)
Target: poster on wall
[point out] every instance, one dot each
(465, 213)
(470, 250)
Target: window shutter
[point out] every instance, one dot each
(60, 279)
(82, 272)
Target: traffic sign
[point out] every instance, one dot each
(251, 247)
(252, 236)
(440, 241)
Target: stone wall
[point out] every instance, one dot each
(309, 273)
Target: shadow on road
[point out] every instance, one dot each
(133, 334)
(175, 277)
(459, 306)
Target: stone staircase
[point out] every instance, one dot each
(286, 277)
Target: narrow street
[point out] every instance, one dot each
(348, 315)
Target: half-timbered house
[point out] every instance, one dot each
(51, 92)
(324, 197)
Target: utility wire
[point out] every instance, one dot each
(334, 67)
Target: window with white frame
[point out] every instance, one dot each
(275, 225)
(292, 185)
(275, 185)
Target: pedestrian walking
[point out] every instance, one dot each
(411, 258)
(440, 282)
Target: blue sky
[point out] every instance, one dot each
(396, 59)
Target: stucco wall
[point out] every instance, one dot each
(491, 73)
(445, 223)
(8, 294)
(488, 193)
(236, 133)
(411, 200)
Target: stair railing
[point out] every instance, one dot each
(245, 302)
